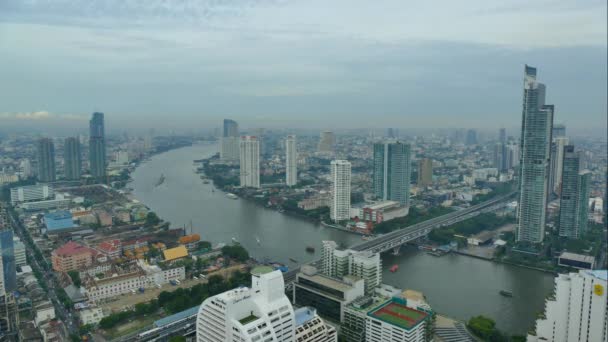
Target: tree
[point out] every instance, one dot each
(75, 278)
(151, 219)
(236, 252)
(177, 339)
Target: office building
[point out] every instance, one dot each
(327, 142)
(425, 172)
(250, 162)
(72, 257)
(291, 161)
(559, 131)
(395, 321)
(576, 310)
(311, 328)
(46, 160)
(97, 147)
(26, 169)
(557, 162)
(19, 248)
(72, 158)
(340, 190)
(229, 143)
(366, 265)
(500, 157)
(31, 193)
(392, 172)
(574, 196)
(392, 133)
(471, 138)
(328, 295)
(512, 158)
(259, 313)
(535, 147)
(9, 270)
(502, 136)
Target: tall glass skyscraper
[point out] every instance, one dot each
(392, 172)
(97, 147)
(9, 270)
(46, 160)
(72, 158)
(535, 151)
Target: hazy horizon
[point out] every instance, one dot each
(302, 64)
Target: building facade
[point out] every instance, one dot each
(557, 162)
(72, 256)
(229, 143)
(395, 321)
(72, 158)
(392, 172)
(340, 190)
(537, 123)
(46, 160)
(31, 193)
(97, 147)
(574, 196)
(366, 265)
(250, 162)
(311, 328)
(259, 313)
(291, 161)
(576, 311)
(425, 172)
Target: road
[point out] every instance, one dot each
(65, 315)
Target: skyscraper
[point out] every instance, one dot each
(250, 162)
(576, 311)
(535, 146)
(9, 271)
(500, 152)
(557, 162)
(338, 263)
(425, 172)
(340, 189)
(229, 144)
(72, 158)
(327, 142)
(260, 313)
(46, 160)
(291, 161)
(568, 225)
(471, 137)
(502, 136)
(392, 172)
(559, 131)
(97, 147)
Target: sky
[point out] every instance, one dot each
(182, 64)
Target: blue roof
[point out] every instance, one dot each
(176, 317)
(59, 220)
(304, 315)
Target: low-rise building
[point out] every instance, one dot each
(173, 254)
(580, 261)
(19, 248)
(315, 202)
(111, 248)
(45, 311)
(90, 315)
(58, 221)
(72, 256)
(384, 211)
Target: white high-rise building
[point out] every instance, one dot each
(340, 179)
(260, 313)
(576, 311)
(557, 163)
(26, 169)
(31, 193)
(366, 265)
(311, 328)
(250, 161)
(291, 161)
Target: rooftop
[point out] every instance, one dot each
(176, 317)
(399, 315)
(250, 318)
(577, 257)
(59, 220)
(332, 283)
(304, 315)
(72, 248)
(261, 270)
(175, 253)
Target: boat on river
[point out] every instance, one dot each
(394, 268)
(293, 260)
(232, 196)
(310, 249)
(505, 293)
(161, 180)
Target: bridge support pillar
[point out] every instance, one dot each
(396, 250)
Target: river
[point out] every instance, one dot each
(457, 286)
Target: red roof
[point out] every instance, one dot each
(109, 246)
(73, 248)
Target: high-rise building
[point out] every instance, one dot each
(576, 311)
(340, 190)
(471, 137)
(311, 328)
(559, 131)
(405, 324)
(574, 196)
(327, 142)
(535, 146)
(500, 152)
(502, 136)
(392, 133)
(250, 161)
(366, 265)
(72, 158)
(46, 160)
(291, 161)
(259, 313)
(392, 172)
(512, 159)
(230, 142)
(557, 162)
(97, 147)
(9, 270)
(425, 172)
(26, 168)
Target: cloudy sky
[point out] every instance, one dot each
(308, 63)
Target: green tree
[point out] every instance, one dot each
(75, 275)
(236, 252)
(151, 219)
(177, 339)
